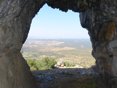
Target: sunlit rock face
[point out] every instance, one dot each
(97, 16)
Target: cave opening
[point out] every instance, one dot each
(58, 36)
(58, 46)
(15, 20)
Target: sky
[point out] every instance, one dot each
(54, 24)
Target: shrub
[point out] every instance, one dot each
(68, 64)
(41, 64)
(46, 63)
(32, 64)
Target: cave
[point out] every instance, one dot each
(97, 16)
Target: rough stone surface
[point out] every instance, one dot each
(101, 25)
(15, 20)
(99, 17)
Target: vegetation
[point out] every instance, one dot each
(68, 64)
(73, 51)
(44, 54)
(32, 64)
(41, 64)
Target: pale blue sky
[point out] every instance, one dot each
(54, 24)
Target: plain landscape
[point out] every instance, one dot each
(74, 51)
(74, 55)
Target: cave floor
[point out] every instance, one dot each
(66, 78)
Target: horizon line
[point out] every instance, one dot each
(58, 38)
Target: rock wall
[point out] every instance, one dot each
(15, 20)
(101, 25)
(97, 16)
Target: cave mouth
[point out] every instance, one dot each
(15, 20)
(63, 41)
(57, 51)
